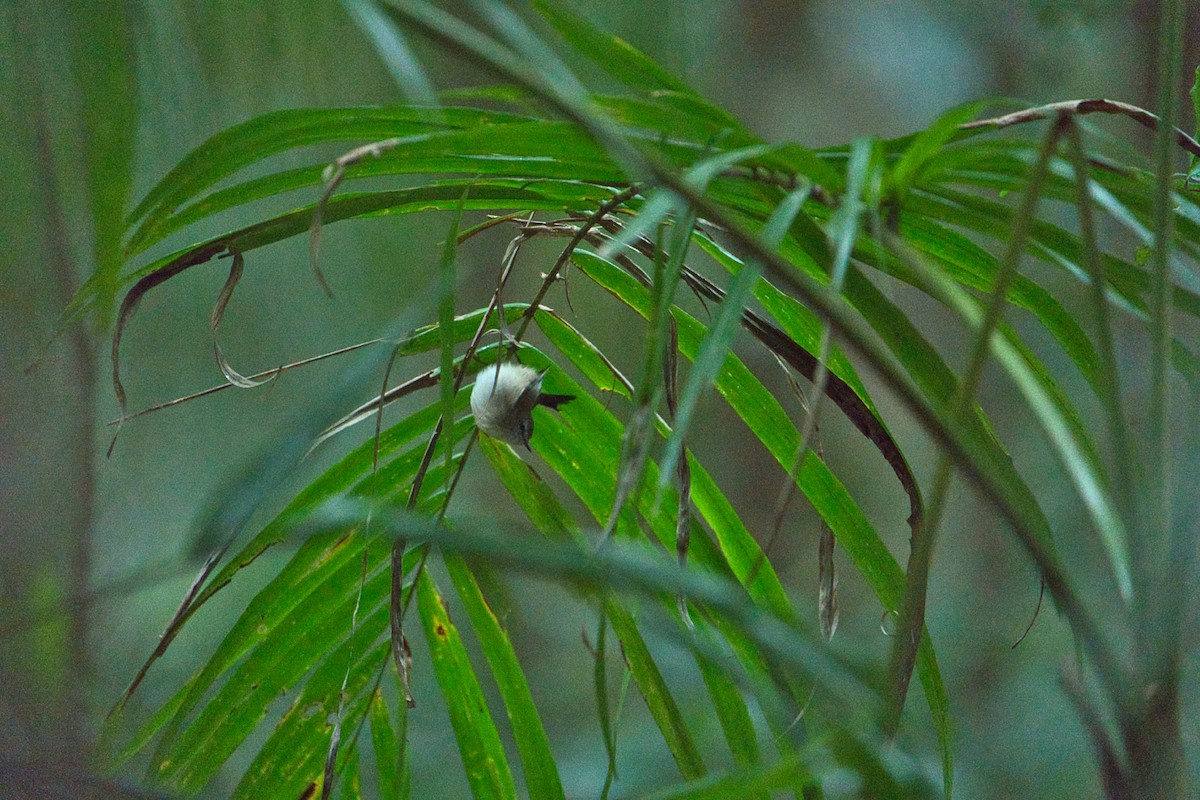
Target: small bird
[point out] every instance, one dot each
(503, 400)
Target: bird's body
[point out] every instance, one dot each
(503, 400)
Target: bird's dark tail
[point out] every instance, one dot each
(554, 400)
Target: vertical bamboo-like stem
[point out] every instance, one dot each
(1158, 455)
(63, 732)
(77, 529)
(1152, 728)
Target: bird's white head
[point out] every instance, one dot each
(503, 399)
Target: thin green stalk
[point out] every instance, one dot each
(849, 215)
(1125, 466)
(911, 624)
(447, 276)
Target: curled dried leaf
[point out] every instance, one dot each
(218, 313)
(130, 303)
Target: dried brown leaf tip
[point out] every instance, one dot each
(218, 313)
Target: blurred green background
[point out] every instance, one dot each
(113, 541)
